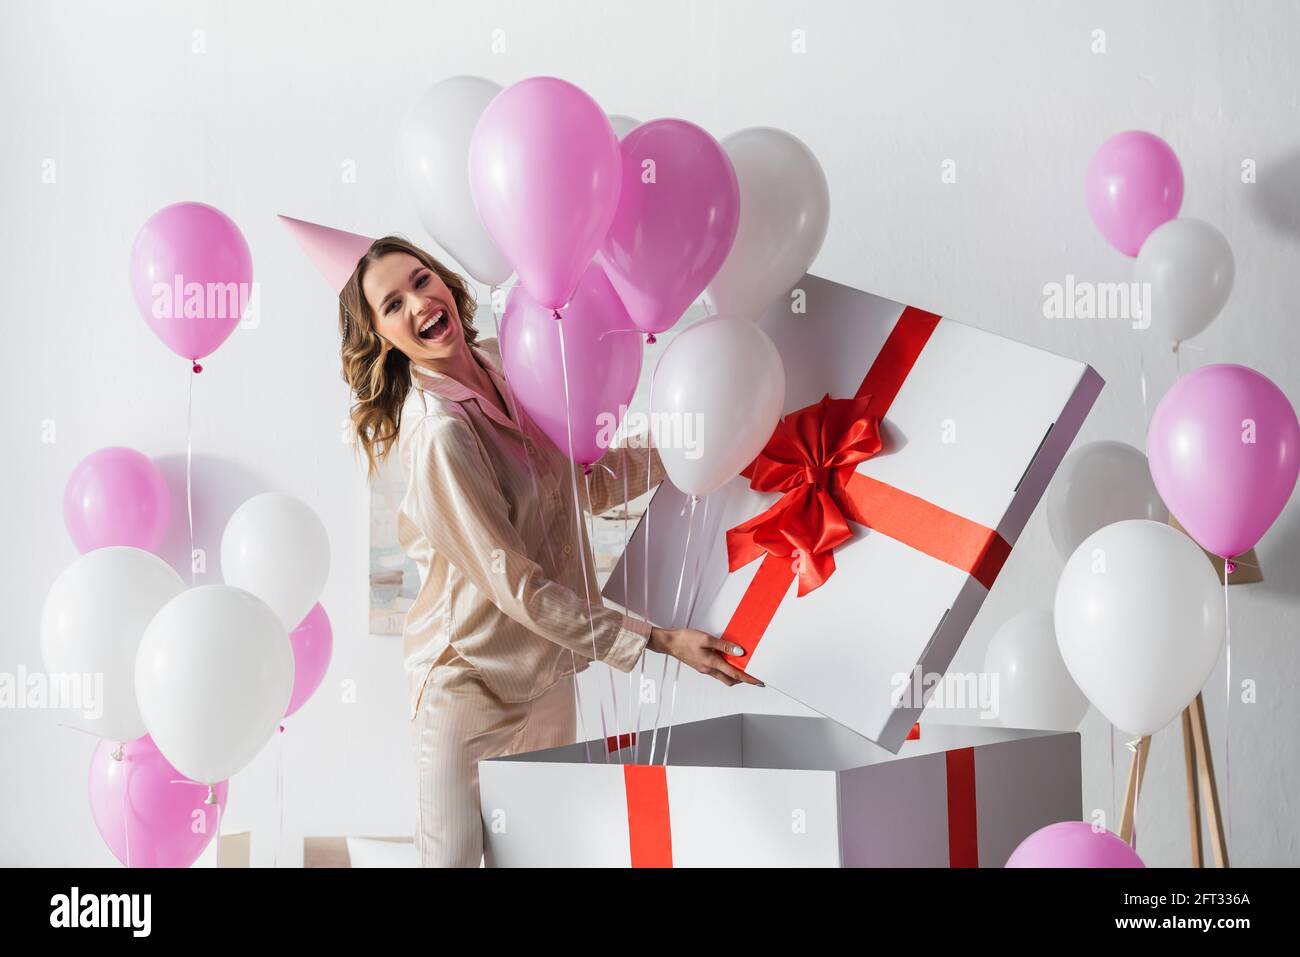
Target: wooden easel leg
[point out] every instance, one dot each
(1205, 766)
(1193, 796)
(1137, 767)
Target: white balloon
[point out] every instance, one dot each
(94, 616)
(623, 125)
(717, 395)
(213, 677)
(1034, 688)
(784, 214)
(433, 159)
(1097, 485)
(1140, 622)
(1190, 268)
(276, 548)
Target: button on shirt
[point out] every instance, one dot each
(489, 520)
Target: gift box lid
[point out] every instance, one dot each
(972, 424)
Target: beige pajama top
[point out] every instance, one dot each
(488, 518)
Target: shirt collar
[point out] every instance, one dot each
(441, 384)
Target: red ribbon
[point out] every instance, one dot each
(812, 458)
(620, 742)
(650, 838)
(963, 833)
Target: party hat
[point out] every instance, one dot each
(335, 252)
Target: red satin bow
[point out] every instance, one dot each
(810, 457)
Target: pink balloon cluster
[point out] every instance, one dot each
(554, 187)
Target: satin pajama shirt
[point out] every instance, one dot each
(509, 608)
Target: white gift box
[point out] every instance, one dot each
(975, 429)
(754, 790)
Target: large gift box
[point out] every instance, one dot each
(849, 559)
(756, 790)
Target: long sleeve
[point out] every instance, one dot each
(637, 459)
(458, 505)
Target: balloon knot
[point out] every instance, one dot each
(586, 469)
(212, 796)
(282, 729)
(1229, 566)
(650, 339)
(197, 368)
(555, 314)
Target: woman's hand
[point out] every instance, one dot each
(702, 652)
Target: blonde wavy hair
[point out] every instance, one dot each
(381, 381)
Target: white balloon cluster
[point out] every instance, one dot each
(208, 671)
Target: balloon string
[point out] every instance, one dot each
(189, 448)
(1142, 382)
(550, 552)
(73, 727)
(1227, 706)
(1137, 792)
(126, 830)
(633, 712)
(645, 574)
(1114, 810)
(279, 796)
(492, 310)
(613, 690)
(582, 551)
(686, 552)
(690, 614)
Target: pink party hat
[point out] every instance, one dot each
(335, 252)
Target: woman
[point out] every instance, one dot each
(508, 608)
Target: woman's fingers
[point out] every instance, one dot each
(727, 668)
(726, 680)
(725, 647)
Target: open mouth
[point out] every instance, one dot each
(434, 326)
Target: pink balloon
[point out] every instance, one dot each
(670, 237)
(192, 276)
(1224, 447)
(1073, 844)
(313, 643)
(545, 172)
(602, 352)
(1133, 184)
(145, 820)
(116, 496)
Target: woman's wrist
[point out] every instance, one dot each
(660, 640)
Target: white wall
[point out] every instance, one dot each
(285, 94)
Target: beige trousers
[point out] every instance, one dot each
(459, 723)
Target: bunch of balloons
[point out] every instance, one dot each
(1140, 614)
(194, 680)
(614, 238)
(1134, 190)
(190, 681)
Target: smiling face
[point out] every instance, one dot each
(413, 308)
